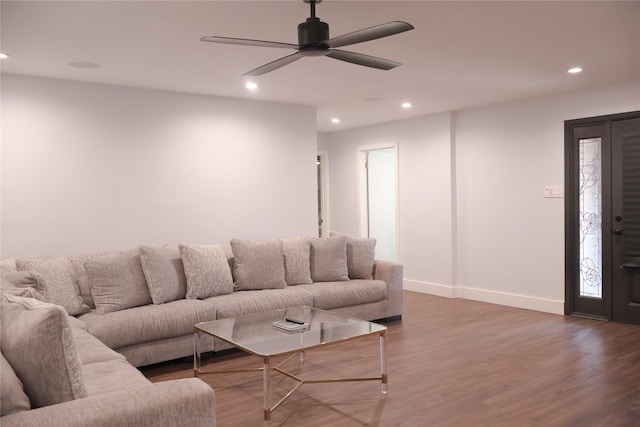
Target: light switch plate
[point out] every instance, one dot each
(553, 191)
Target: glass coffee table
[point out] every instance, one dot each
(256, 334)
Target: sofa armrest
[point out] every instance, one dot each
(188, 402)
(392, 274)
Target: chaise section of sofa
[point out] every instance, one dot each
(184, 402)
(55, 373)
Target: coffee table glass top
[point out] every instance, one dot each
(256, 334)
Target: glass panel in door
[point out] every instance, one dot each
(590, 201)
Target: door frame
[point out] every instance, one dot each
(573, 130)
(323, 187)
(363, 219)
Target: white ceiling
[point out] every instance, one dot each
(461, 54)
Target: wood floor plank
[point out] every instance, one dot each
(451, 362)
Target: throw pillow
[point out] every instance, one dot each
(8, 264)
(59, 286)
(258, 264)
(77, 261)
(297, 256)
(21, 279)
(361, 254)
(329, 259)
(6, 287)
(83, 280)
(38, 343)
(207, 270)
(117, 282)
(12, 397)
(164, 272)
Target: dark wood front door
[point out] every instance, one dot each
(602, 180)
(625, 136)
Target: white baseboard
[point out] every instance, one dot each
(493, 297)
(429, 288)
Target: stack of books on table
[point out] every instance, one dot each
(291, 326)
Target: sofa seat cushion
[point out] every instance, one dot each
(92, 350)
(152, 352)
(147, 323)
(112, 375)
(328, 295)
(249, 302)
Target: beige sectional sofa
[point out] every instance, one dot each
(138, 307)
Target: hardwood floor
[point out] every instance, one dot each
(451, 362)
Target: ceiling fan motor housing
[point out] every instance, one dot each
(310, 34)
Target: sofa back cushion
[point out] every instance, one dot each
(207, 270)
(258, 264)
(117, 282)
(297, 258)
(12, 397)
(38, 343)
(329, 259)
(164, 272)
(57, 279)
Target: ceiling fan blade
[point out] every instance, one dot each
(247, 42)
(274, 65)
(361, 59)
(371, 33)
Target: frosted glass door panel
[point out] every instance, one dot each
(381, 191)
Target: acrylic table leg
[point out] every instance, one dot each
(196, 354)
(266, 384)
(383, 361)
(301, 357)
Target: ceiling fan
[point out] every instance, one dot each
(313, 40)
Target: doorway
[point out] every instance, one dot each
(322, 169)
(602, 217)
(378, 194)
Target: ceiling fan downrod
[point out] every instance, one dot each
(312, 3)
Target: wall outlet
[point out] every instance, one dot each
(553, 191)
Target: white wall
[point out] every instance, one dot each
(90, 167)
(510, 238)
(424, 181)
(475, 224)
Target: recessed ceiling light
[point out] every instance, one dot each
(3, 56)
(251, 85)
(83, 64)
(335, 120)
(407, 105)
(574, 70)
